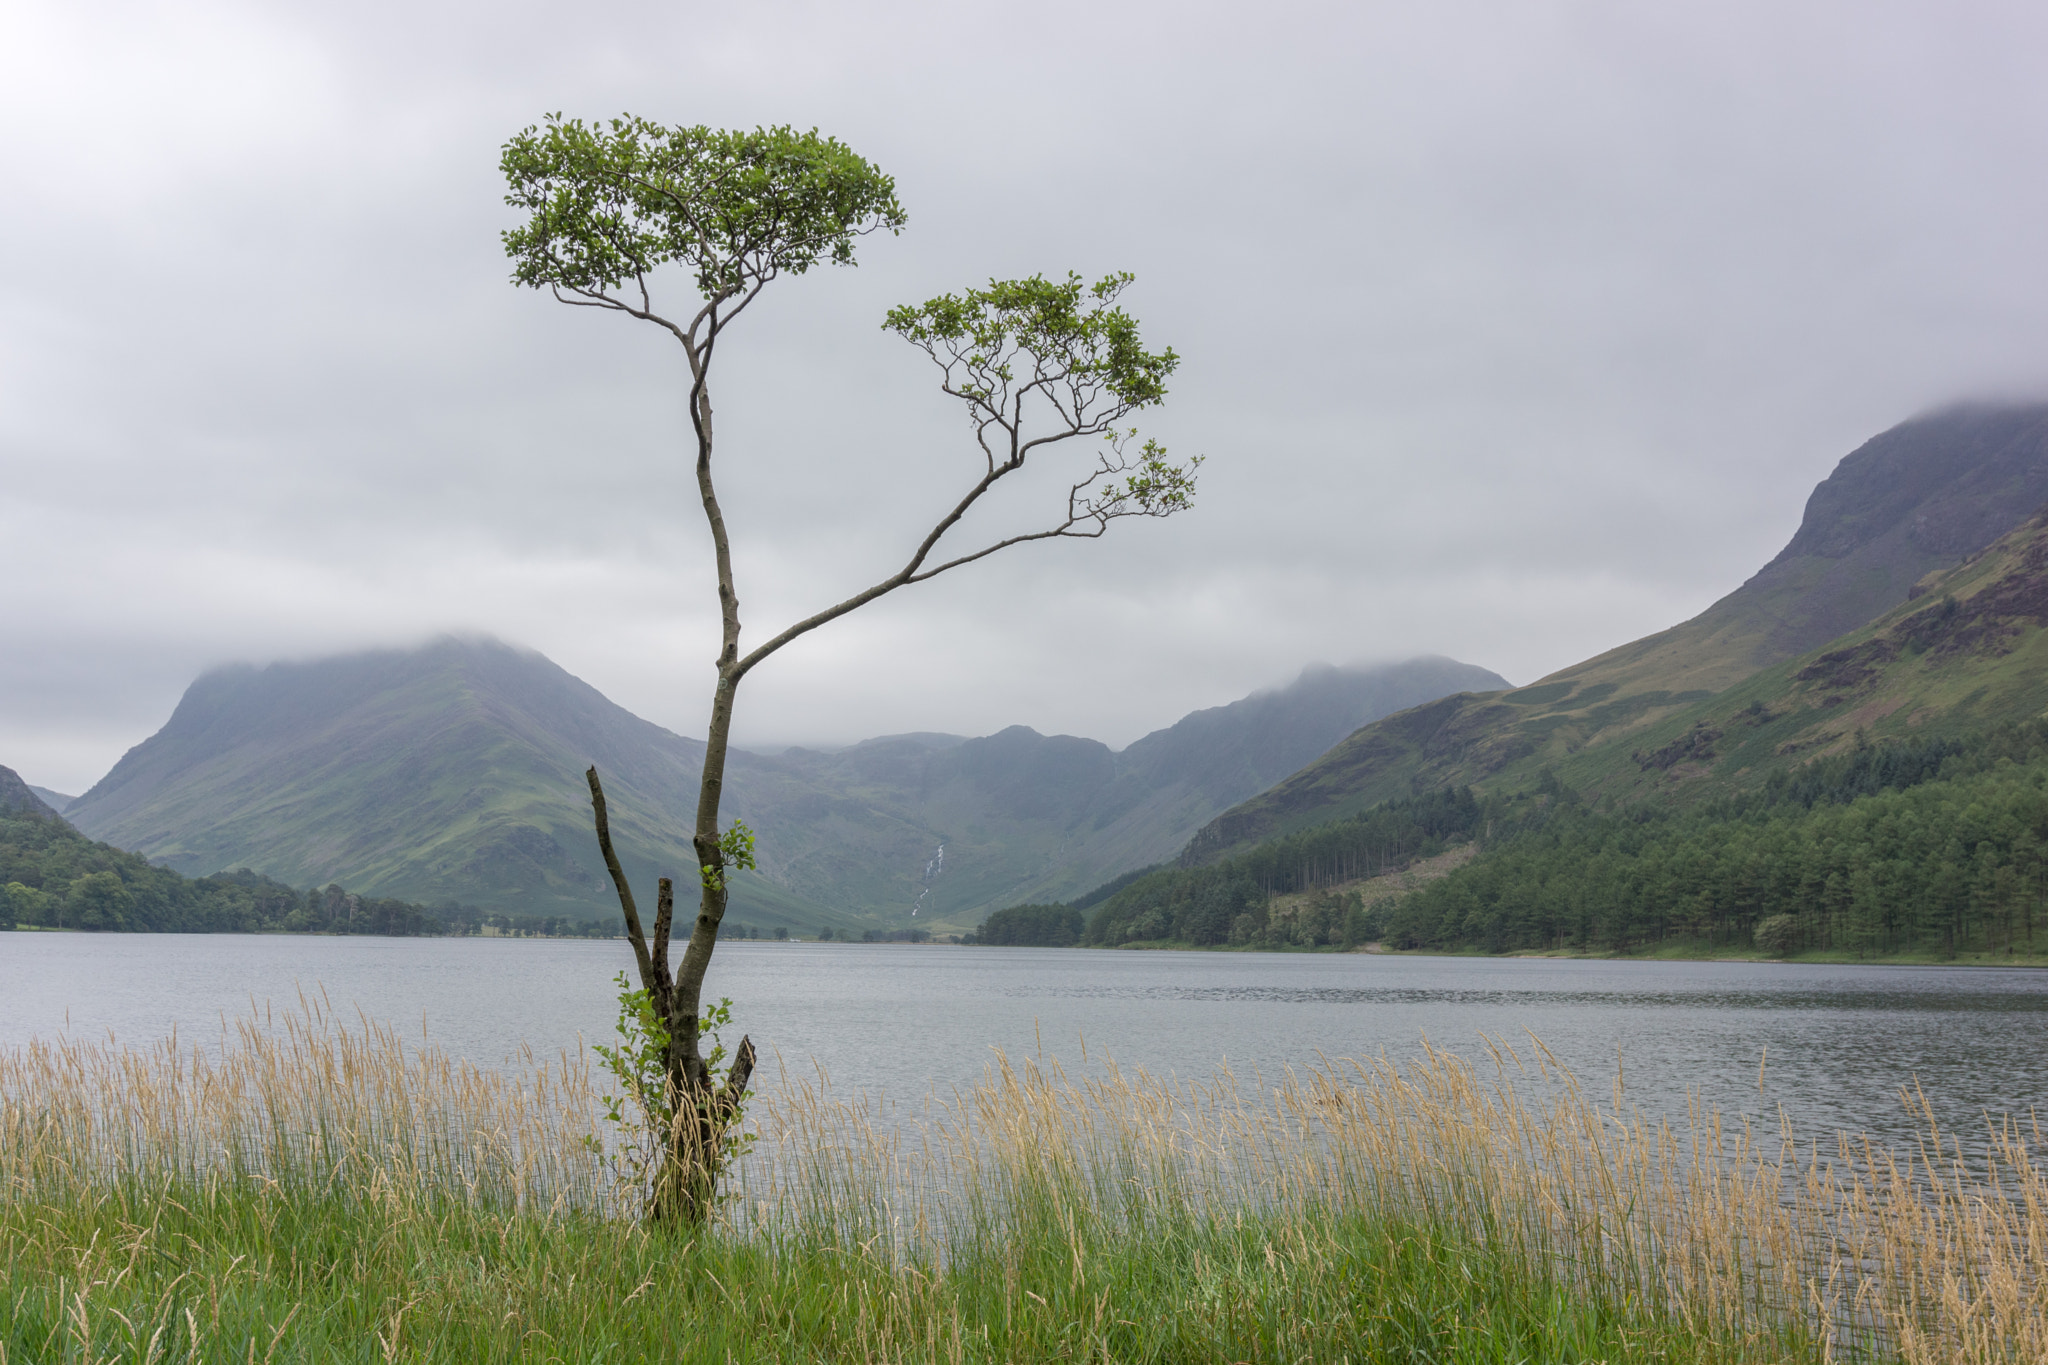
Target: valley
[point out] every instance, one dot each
(454, 772)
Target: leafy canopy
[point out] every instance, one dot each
(1024, 346)
(609, 203)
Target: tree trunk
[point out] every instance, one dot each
(699, 1111)
(702, 1109)
(686, 1064)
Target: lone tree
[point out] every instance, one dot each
(1036, 363)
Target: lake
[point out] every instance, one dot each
(905, 1021)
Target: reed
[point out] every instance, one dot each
(307, 1189)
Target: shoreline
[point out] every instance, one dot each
(1975, 959)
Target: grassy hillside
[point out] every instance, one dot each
(1232, 901)
(1922, 497)
(1967, 652)
(1928, 848)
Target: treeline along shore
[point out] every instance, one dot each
(1932, 849)
(53, 877)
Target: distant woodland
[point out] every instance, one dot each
(1933, 849)
(1228, 903)
(1928, 849)
(53, 877)
(1032, 926)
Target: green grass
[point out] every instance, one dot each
(185, 1274)
(313, 1193)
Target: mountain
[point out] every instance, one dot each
(455, 771)
(1967, 651)
(17, 796)
(1227, 753)
(56, 801)
(1879, 797)
(1025, 817)
(1920, 498)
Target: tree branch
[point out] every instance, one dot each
(736, 1079)
(1078, 513)
(611, 865)
(664, 914)
(589, 301)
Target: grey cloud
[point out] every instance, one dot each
(1513, 332)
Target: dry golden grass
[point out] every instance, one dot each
(1025, 1189)
(1934, 1255)
(296, 1099)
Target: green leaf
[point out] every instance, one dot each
(607, 204)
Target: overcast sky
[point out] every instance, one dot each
(1512, 332)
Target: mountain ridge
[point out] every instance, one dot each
(1914, 500)
(17, 796)
(275, 768)
(454, 771)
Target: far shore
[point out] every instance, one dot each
(1675, 953)
(1685, 952)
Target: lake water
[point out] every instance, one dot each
(905, 1021)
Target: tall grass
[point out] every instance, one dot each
(312, 1191)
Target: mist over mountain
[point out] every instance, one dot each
(1878, 797)
(1227, 753)
(1923, 497)
(455, 771)
(1919, 497)
(1031, 817)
